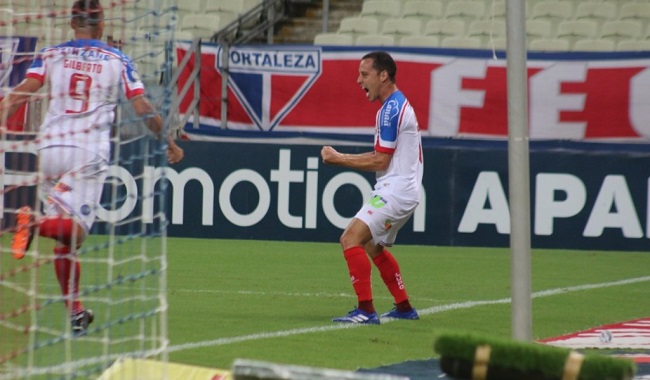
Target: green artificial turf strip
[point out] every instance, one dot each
(531, 358)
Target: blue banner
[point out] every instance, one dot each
(583, 196)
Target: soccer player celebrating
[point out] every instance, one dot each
(84, 78)
(397, 161)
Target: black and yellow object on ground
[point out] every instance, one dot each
(474, 357)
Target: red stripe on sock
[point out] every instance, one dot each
(390, 273)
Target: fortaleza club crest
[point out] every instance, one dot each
(253, 72)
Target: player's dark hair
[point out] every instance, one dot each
(87, 13)
(383, 61)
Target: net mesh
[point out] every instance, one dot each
(124, 258)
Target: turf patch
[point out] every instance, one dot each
(472, 356)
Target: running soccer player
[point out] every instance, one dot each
(397, 161)
(84, 78)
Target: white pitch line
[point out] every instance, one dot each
(287, 294)
(260, 293)
(427, 311)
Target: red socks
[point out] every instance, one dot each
(59, 229)
(66, 266)
(390, 273)
(63, 266)
(360, 273)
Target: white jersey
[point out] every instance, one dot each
(397, 134)
(85, 79)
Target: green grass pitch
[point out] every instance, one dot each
(274, 301)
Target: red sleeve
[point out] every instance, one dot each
(38, 77)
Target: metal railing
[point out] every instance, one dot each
(260, 19)
(170, 81)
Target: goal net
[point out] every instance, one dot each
(123, 260)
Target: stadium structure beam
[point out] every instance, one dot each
(326, 16)
(518, 170)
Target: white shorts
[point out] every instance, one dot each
(73, 183)
(385, 216)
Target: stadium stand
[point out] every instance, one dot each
(548, 44)
(465, 10)
(229, 10)
(596, 11)
(422, 10)
(444, 28)
(594, 45)
(622, 30)
(398, 28)
(486, 30)
(633, 45)
(420, 41)
(498, 43)
(184, 35)
(201, 25)
(553, 11)
(381, 9)
(594, 25)
(186, 7)
(574, 30)
(334, 39)
(539, 29)
(619, 24)
(604, 23)
(356, 26)
(635, 11)
(461, 42)
(375, 40)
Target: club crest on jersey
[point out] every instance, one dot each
(132, 73)
(85, 210)
(254, 71)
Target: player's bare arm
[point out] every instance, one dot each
(154, 122)
(369, 161)
(18, 96)
(145, 109)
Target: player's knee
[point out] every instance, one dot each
(348, 240)
(342, 241)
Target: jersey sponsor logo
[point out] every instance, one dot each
(270, 82)
(377, 201)
(86, 53)
(391, 111)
